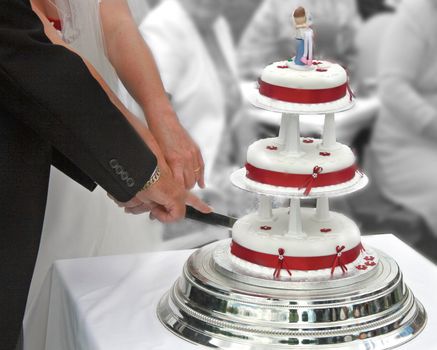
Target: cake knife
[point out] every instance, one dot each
(211, 218)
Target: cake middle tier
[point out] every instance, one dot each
(319, 238)
(269, 162)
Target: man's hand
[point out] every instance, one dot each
(165, 199)
(180, 152)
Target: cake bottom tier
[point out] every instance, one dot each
(322, 247)
(213, 305)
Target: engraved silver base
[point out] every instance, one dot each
(215, 306)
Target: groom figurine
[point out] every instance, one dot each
(52, 112)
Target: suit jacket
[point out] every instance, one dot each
(51, 112)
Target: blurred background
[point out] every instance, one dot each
(214, 50)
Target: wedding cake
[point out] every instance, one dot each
(295, 277)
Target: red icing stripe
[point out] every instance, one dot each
(302, 95)
(295, 263)
(299, 180)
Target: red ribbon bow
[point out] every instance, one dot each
(338, 260)
(309, 183)
(281, 264)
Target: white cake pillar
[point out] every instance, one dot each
(329, 136)
(322, 209)
(295, 219)
(292, 135)
(283, 128)
(265, 208)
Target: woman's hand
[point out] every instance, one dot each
(180, 151)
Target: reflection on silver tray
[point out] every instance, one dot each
(213, 305)
(239, 179)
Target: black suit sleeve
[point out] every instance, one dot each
(49, 88)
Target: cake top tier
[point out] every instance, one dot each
(321, 75)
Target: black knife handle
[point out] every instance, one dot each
(210, 219)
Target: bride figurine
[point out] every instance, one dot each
(304, 38)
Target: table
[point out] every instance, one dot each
(348, 123)
(108, 303)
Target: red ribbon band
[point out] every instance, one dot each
(287, 94)
(297, 263)
(276, 178)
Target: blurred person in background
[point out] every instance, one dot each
(194, 49)
(376, 15)
(269, 36)
(403, 155)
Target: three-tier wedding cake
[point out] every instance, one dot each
(295, 277)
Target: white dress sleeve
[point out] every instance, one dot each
(82, 30)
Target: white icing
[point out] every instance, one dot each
(278, 160)
(267, 272)
(247, 232)
(274, 105)
(334, 76)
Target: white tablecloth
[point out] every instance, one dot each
(109, 303)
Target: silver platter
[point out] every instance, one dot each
(215, 306)
(239, 179)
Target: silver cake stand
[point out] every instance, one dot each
(214, 305)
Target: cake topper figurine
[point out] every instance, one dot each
(304, 37)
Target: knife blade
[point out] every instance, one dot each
(215, 219)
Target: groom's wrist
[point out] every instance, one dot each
(154, 178)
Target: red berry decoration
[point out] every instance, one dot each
(325, 230)
(266, 228)
(272, 148)
(321, 70)
(324, 154)
(308, 141)
(361, 267)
